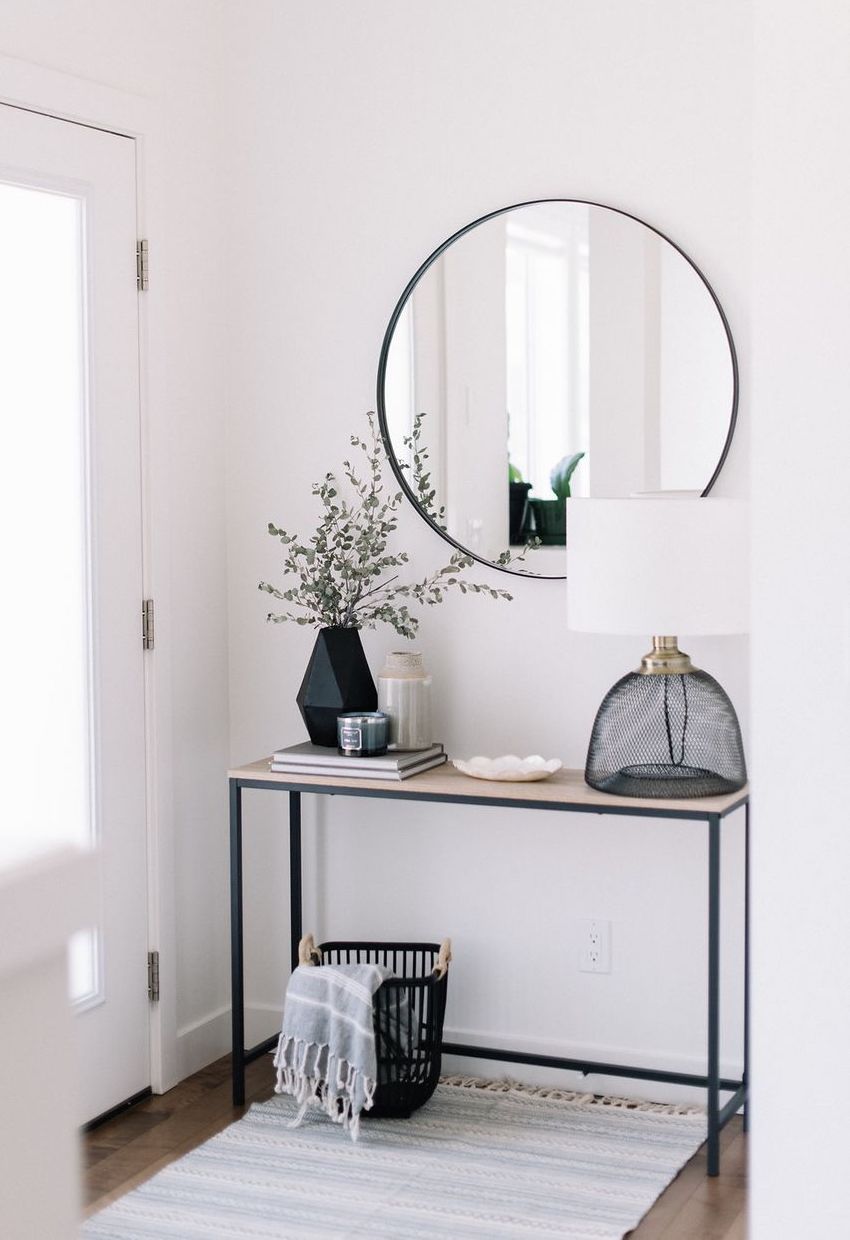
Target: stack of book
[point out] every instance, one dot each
(309, 759)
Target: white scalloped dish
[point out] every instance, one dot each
(509, 768)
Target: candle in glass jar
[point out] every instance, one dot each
(362, 734)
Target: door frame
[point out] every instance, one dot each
(65, 97)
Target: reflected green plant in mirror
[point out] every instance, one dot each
(561, 474)
(550, 515)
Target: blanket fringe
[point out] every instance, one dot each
(332, 1093)
(506, 1085)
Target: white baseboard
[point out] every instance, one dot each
(203, 1041)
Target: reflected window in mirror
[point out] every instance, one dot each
(561, 341)
(547, 347)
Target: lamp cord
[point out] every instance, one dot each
(676, 761)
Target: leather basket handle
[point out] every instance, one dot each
(444, 957)
(308, 952)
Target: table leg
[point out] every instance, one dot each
(746, 1077)
(713, 994)
(295, 929)
(237, 996)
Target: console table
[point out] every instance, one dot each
(565, 792)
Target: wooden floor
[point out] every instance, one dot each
(128, 1150)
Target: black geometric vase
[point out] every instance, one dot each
(337, 680)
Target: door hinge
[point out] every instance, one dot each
(153, 976)
(147, 624)
(142, 277)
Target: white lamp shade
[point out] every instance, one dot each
(657, 566)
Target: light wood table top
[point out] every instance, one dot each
(564, 790)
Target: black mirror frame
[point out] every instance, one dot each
(402, 301)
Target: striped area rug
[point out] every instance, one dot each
(488, 1162)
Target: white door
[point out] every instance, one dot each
(72, 729)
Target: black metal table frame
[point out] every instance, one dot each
(718, 1116)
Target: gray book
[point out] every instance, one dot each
(320, 757)
(345, 769)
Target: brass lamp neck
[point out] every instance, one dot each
(665, 659)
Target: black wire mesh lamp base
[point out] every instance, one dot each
(668, 730)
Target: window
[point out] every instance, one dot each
(47, 716)
(547, 313)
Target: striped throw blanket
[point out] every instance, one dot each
(326, 1050)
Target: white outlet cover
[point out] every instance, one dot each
(594, 945)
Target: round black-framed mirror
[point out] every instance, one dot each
(565, 347)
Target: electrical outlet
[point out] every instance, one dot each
(594, 953)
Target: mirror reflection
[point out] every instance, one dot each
(553, 348)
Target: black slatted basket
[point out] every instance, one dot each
(408, 1045)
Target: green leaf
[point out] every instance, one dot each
(562, 473)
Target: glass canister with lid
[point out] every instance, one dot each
(404, 693)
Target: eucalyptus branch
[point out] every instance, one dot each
(421, 477)
(337, 577)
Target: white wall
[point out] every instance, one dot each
(624, 349)
(695, 377)
(476, 420)
(166, 55)
(358, 137)
(801, 622)
(361, 136)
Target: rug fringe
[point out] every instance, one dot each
(508, 1086)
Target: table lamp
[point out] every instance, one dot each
(661, 566)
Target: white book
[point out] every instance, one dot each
(320, 757)
(344, 770)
